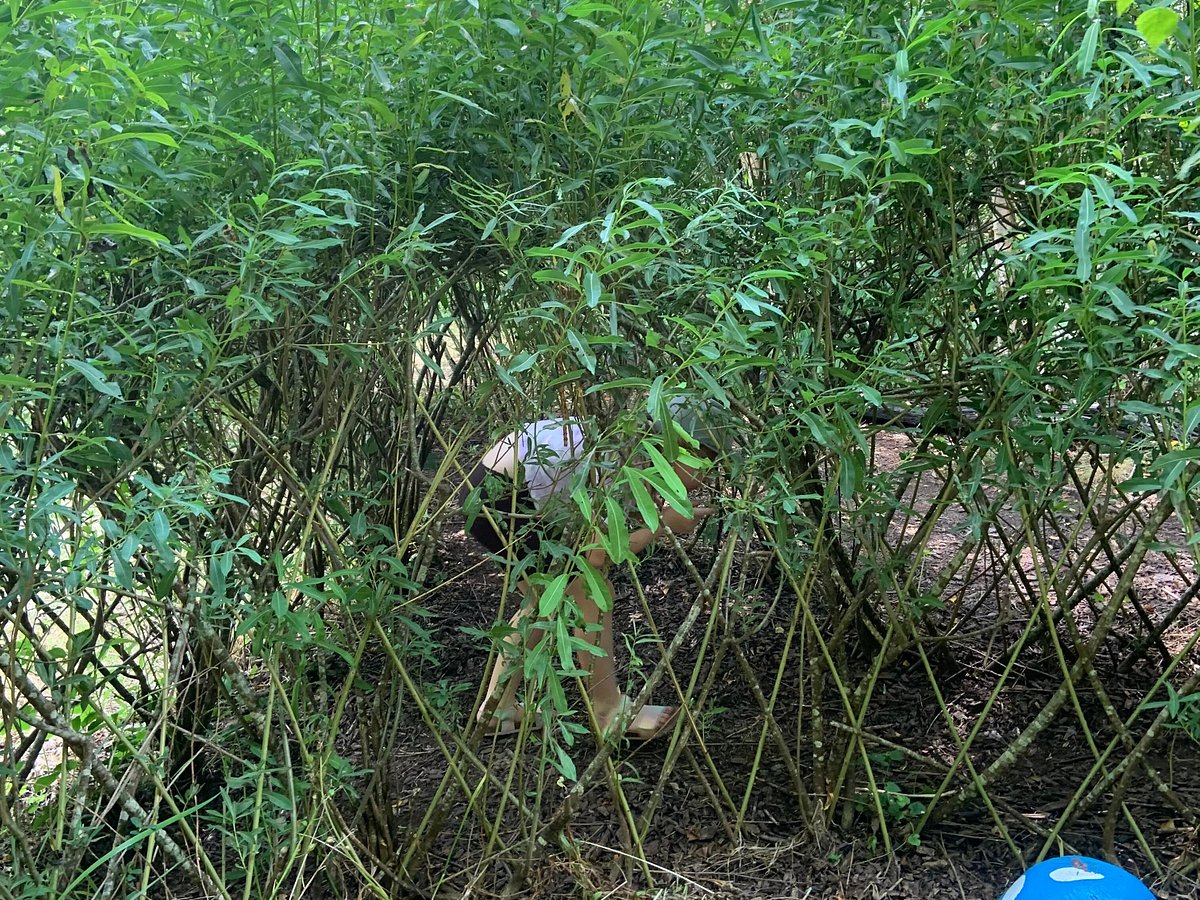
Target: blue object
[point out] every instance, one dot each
(1077, 878)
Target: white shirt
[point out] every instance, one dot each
(548, 452)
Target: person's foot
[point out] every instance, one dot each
(649, 722)
(505, 722)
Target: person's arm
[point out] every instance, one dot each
(690, 478)
(643, 537)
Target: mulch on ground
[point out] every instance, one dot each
(688, 851)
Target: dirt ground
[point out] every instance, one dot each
(688, 852)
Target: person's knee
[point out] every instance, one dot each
(598, 560)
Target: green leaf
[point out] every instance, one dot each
(564, 644)
(822, 432)
(282, 237)
(457, 98)
(908, 178)
(670, 486)
(1083, 236)
(579, 10)
(160, 528)
(583, 352)
(133, 231)
(1190, 421)
(616, 540)
(584, 501)
(591, 289)
(649, 210)
(381, 75)
(50, 497)
(645, 503)
(607, 227)
(508, 26)
(1087, 52)
(1189, 454)
(599, 587)
(1123, 6)
(246, 141)
(1186, 168)
(1141, 408)
(18, 381)
(57, 190)
(152, 137)
(122, 570)
(897, 151)
(639, 384)
(319, 244)
(565, 764)
(1156, 25)
(95, 377)
(290, 63)
(521, 362)
(714, 389)
(551, 597)
(846, 167)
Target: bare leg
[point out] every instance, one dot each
(508, 669)
(601, 685)
(608, 702)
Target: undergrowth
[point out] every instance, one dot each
(271, 272)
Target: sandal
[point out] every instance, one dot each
(647, 724)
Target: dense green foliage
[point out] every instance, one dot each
(262, 263)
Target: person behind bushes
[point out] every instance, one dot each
(515, 494)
